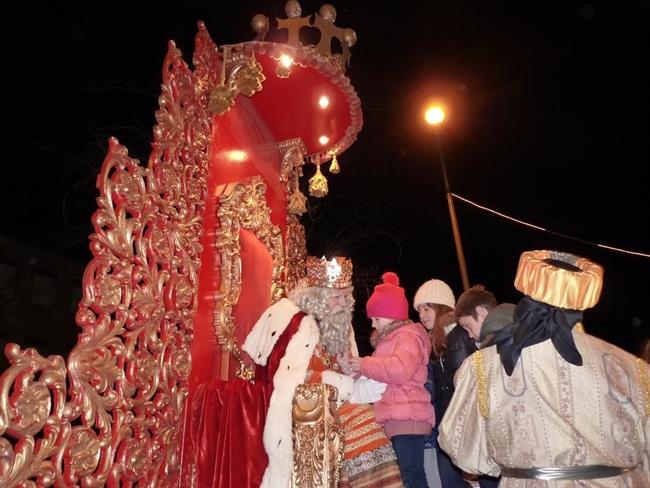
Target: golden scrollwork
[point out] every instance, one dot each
(239, 75)
(111, 414)
(322, 21)
(243, 206)
(296, 252)
(318, 437)
(293, 154)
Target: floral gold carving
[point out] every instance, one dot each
(110, 414)
(243, 206)
(317, 437)
(293, 152)
(239, 75)
(323, 22)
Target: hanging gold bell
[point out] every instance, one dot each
(318, 184)
(334, 167)
(297, 203)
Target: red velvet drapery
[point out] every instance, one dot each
(222, 437)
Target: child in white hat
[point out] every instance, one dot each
(435, 302)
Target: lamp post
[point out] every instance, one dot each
(434, 115)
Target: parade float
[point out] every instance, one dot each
(188, 250)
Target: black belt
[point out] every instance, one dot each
(572, 473)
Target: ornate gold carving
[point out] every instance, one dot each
(293, 157)
(293, 152)
(243, 206)
(239, 76)
(115, 419)
(296, 252)
(323, 21)
(335, 273)
(318, 437)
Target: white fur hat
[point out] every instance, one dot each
(434, 291)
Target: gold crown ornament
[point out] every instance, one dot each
(559, 279)
(335, 273)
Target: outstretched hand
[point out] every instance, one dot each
(355, 363)
(343, 360)
(350, 365)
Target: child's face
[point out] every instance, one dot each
(427, 316)
(380, 322)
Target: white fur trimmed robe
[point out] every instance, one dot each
(291, 372)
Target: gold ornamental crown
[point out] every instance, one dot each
(335, 273)
(322, 21)
(559, 279)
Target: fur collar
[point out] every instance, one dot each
(277, 438)
(378, 335)
(267, 330)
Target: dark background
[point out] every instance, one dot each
(549, 124)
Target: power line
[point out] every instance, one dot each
(565, 236)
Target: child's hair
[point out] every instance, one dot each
(444, 317)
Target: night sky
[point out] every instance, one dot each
(549, 124)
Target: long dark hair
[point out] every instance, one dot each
(444, 317)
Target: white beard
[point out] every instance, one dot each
(335, 330)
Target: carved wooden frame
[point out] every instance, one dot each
(318, 437)
(110, 415)
(243, 205)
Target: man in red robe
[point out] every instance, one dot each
(313, 328)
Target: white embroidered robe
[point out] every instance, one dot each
(550, 413)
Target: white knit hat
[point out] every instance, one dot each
(434, 291)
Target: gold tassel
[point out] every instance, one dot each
(334, 167)
(318, 184)
(297, 203)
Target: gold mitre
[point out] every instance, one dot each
(335, 273)
(559, 279)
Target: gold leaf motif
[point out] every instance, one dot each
(115, 419)
(318, 437)
(243, 206)
(296, 248)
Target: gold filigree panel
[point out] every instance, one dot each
(111, 415)
(243, 206)
(318, 437)
(293, 154)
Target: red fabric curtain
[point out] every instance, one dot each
(224, 425)
(224, 419)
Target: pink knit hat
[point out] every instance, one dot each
(388, 300)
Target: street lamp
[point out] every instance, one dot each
(435, 115)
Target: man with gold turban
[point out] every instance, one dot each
(548, 404)
(298, 340)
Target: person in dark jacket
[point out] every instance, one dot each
(435, 303)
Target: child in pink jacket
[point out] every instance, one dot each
(400, 360)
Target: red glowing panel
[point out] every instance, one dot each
(294, 107)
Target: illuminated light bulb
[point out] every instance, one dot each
(283, 69)
(286, 60)
(236, 156)
(324, 102)
(434, 115)
(323, 140)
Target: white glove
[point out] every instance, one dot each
(367, 390)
